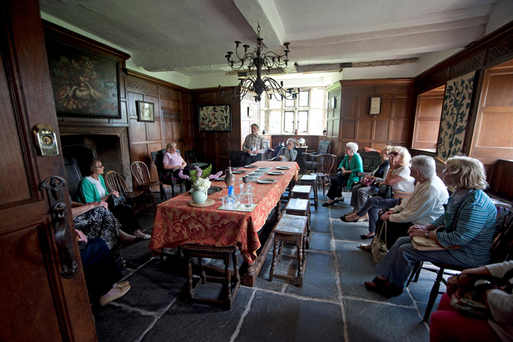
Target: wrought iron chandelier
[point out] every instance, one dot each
(257, 61)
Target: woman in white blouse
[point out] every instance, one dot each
(398, 177)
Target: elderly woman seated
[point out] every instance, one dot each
(287, 153)
(92, 189)
(174, 162)
(347, 174)
(469, 226)
(425, 204)
(398, 177)
(362, 191)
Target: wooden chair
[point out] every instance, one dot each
(142, 176)
(237, 158)
(192, 160)
(325, 164)
(501, 250)
(116, 183)
(165, 176)
(311, 158)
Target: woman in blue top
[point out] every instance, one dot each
(347, 174)
(92, 189)
(469, 225)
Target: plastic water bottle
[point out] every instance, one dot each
(230, 201)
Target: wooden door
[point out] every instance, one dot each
(42, 296)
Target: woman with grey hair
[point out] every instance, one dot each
(468, 223)
(361, 192)
(425, 204)
(347, 174)
(287, 153)
(398, 178)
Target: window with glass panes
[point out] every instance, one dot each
(306, 113)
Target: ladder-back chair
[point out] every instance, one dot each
(325, 164)
(116, 183)
(141, 174)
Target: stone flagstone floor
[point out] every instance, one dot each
(332, 305)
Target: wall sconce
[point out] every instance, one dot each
(375, 106)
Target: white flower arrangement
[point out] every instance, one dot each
(202, 184)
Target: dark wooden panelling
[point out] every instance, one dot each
(375, 131)
(213, 147)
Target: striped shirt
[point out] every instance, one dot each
(472, 229)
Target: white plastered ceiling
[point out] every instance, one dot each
(190, 38)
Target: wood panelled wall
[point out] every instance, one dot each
(214, 147)
(172, 116)
(392, 127)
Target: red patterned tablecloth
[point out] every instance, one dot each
(176, 222)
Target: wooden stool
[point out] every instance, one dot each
(301, 191)
(312, 181)
(292, 229)
(230, 286)
(300, 207)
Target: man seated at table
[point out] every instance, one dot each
(174, 162)
(253, 146)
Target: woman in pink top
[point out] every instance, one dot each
(174, 162)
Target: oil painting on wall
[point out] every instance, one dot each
(84, 84)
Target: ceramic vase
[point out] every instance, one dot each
(199, 196)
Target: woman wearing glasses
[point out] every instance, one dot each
(92, 189)
(398, 177)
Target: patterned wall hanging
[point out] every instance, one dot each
(453, 125)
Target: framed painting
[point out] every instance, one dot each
(216, 118)
(84, 84)
(145, 111)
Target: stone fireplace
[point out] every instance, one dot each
(109, 144)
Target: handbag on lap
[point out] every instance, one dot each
(116, 201)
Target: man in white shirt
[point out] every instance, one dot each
(424, 205)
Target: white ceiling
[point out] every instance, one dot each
(191, 37)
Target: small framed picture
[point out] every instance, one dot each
(375, 106)
(145, 111)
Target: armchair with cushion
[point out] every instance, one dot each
(310, 159)
(165, 176)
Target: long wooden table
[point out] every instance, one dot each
(177, 222)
